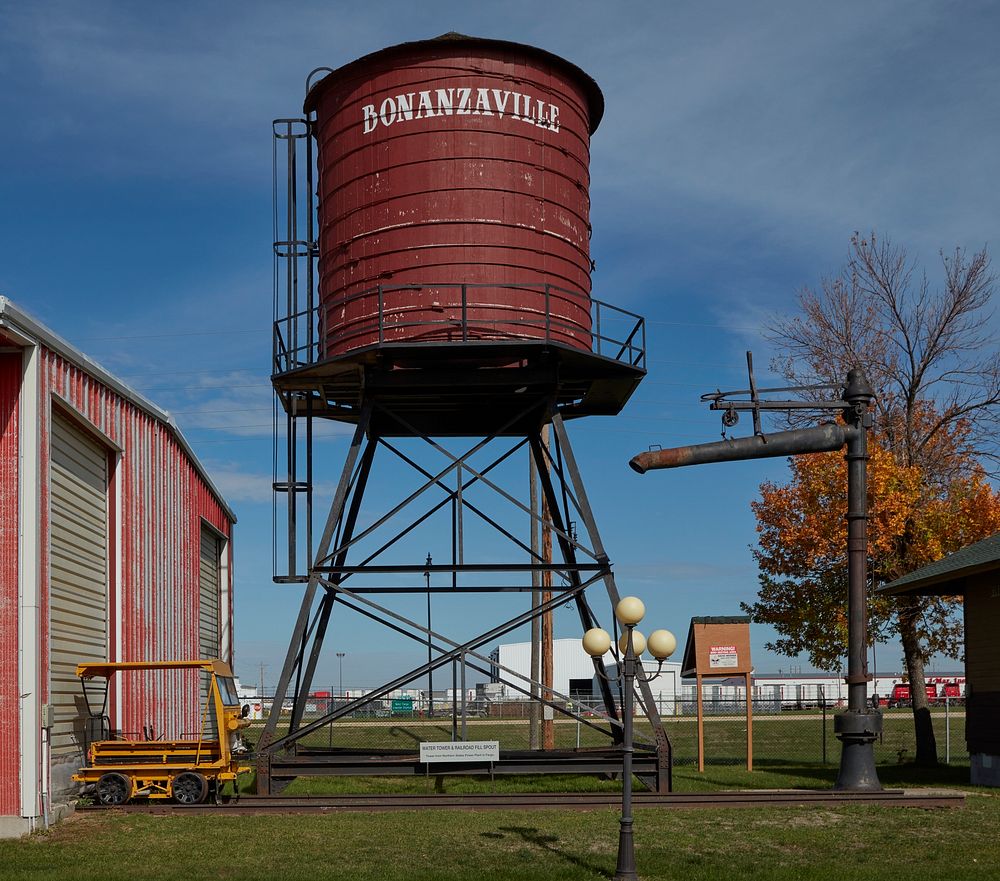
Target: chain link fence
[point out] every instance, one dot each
(785, 733)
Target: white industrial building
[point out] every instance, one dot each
(572, 668)
(572, 672)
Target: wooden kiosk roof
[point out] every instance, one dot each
(731, 627)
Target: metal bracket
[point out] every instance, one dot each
(731, 405)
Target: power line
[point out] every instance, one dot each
(198, 388)
(165, 336)
(213, 411)
(161, 371)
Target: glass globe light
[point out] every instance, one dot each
(638, 643)
(662, 644)
(596, 642)
(630, 610)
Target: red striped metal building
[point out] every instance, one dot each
(114, 545)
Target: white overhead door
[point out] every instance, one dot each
(78, 579)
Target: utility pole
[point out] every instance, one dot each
(535, 707)
(430, 674)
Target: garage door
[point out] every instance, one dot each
(208, 608)
(78, 581)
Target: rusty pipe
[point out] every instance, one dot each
(822, 439)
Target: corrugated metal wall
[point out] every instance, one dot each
(159, 500)
(10, 384)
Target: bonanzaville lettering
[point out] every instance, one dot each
(460, 101)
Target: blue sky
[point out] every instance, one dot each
(741, 147)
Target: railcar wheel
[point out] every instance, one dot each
(113, 789)
(190, 788)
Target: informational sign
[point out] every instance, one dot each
(719, 648)
(402, 705)
(458, 751)
(722, 656)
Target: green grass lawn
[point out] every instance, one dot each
(758, 843)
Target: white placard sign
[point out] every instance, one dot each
(722, 656)
(469, 751)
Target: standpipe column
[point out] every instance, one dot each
(859, 725)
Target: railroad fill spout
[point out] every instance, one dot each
(822, 439)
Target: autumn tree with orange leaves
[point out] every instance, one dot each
(935, 369)
(802, 557)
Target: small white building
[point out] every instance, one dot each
(664, 682)
(572, 669)
(572, 672)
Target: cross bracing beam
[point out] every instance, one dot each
(441, 660)
(375, 613)
(432, 481)
(583, 563)
(502, 492)
(453, 495)
(590, 523)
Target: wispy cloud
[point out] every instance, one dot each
(238, 485)
(793, 119)
(797, 121)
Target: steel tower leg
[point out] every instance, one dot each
(583, 504)
(297, 645)
(304, 684)
(569, 554)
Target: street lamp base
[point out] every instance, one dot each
(625, 870)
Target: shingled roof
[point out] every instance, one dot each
(983, 556)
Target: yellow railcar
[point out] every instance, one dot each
(186, 770)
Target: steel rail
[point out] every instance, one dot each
(765, 798)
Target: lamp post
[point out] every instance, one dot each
(596, 642)
(340, 661)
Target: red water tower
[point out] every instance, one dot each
(440, 286)
(454, 161)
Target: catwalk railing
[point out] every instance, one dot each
(461, 313)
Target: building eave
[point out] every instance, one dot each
(945, 577)
(25, 327)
